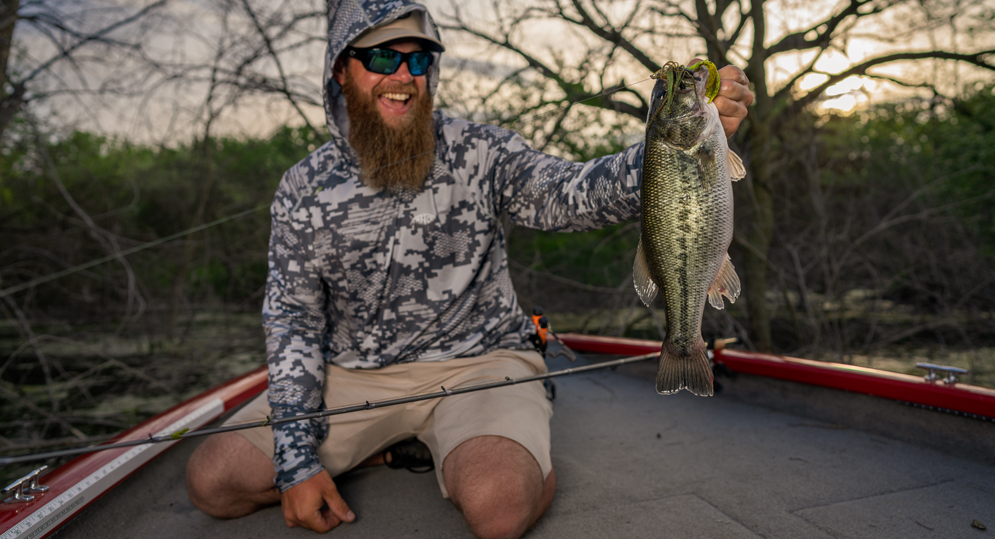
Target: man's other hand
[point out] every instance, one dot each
(734, 96)
(315, 504)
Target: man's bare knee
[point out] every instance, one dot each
(497, 485)
(229, 477)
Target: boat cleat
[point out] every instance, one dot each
(932, 369)
(24, 487)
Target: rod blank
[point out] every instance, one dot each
(323, 413)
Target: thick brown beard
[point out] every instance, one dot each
(392, 159)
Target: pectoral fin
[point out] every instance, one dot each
(737, 171)
(641, 278)
(726, 284)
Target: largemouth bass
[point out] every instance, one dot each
(687, 223)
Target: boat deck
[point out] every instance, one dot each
(754, 461)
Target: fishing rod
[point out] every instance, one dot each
(185, 433)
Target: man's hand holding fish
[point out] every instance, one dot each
(734, 97)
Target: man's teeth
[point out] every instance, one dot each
(397, 97)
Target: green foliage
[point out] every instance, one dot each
(942, 147)
(967, 135)
(600, 258)
(884, 226)
(135, 194)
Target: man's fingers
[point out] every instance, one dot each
(735, 91)
(325, 520)
(338, 507)
(320, 521)
(730, 107)
(732, 73)
(735, 85)
(733, 99)
(315, 504)
(731, 114)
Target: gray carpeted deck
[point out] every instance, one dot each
(633, 464)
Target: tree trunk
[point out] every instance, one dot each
(9, 104)
(759, 231)
(758, 236)
(8, 19)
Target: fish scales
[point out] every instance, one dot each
(687, 221)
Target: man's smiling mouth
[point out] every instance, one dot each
(403, 98)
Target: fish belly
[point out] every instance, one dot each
(686, 230)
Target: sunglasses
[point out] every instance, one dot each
(387, 62)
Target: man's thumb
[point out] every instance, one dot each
(340, 509)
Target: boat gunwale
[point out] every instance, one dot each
(958, 397)
(962, 398)
(64, 478)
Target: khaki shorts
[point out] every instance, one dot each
(519, 412)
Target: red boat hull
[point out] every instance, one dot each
(961, 398)
(78, 483)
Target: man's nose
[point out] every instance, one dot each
(402, 74)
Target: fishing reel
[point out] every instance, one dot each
(720, 368)
(540, 339)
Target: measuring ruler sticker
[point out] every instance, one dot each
(38, 523)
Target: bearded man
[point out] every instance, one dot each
(388, 277)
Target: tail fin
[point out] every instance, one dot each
(677, 371)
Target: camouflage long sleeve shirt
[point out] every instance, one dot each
(364, 278)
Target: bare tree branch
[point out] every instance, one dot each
(574, 92)
(99, 35)
(612, 35)
(979, 59)
(105, 238)
(42, 359)
(826, 29)
(279, 66)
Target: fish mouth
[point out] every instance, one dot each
(673, 81)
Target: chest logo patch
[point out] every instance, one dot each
(423, 219)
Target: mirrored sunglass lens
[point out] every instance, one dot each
(419, 62)
(384, 61)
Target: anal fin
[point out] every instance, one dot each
(726, 284)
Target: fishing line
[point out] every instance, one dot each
(75, 269)
(568, 105)
(41, 280)
(184, 434)
(537, 114)
(366, 406)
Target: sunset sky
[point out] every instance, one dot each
(172, 110)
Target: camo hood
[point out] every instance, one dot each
(347, 19)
